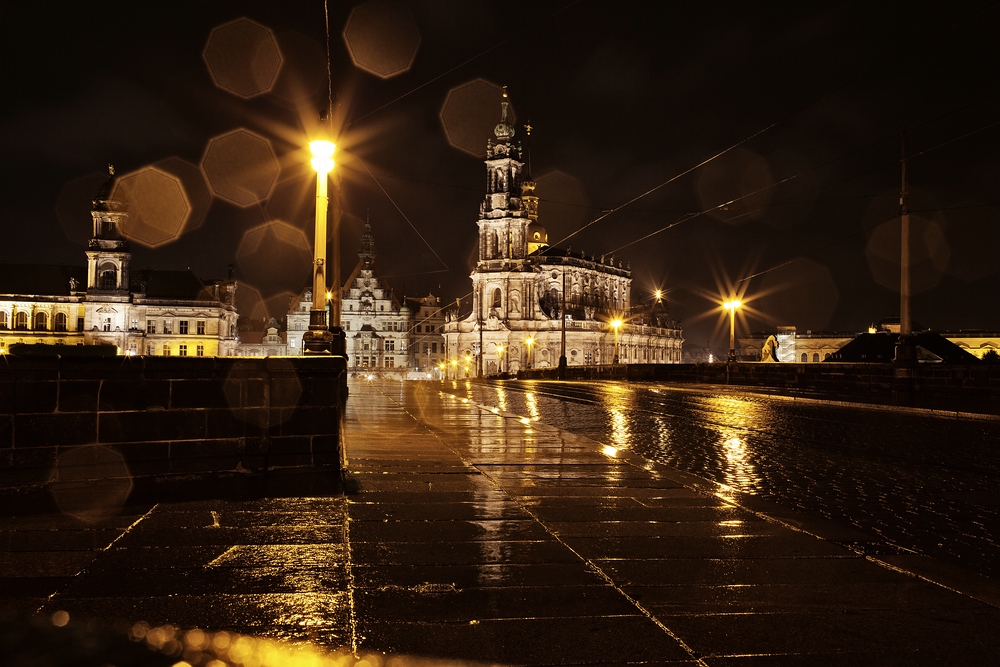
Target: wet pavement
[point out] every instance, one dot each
(474, 529)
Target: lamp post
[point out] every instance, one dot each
(500, 359)
(731, 306)
(454, 369)
(616, 325)
(319, 339)
(528, 342)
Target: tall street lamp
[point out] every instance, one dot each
(528, 342)
(500, 359)
(731, 306)
(319, 339)
(616, 324)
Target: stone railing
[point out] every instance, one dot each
(158, 419)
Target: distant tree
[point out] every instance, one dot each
(991, 357)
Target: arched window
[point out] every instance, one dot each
(60, 322)
(496, 298)
(805, 357)
(21, 321)
(3, 320)
(826, 357)
(816, 356)
(109, 277)
(41, 321)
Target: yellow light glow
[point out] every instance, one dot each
(615, 323)
(732, 305)
(608, 450)
(454, 362)
(322, 148)
(529, 341)
(658, 294)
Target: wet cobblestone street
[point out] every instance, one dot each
(924, 482)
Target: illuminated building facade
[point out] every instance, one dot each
(524, 289)
(377, 323)
(147, 311)
(427, 350)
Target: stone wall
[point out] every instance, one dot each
(155, 418)
(959, 388)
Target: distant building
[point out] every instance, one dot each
(385, 333)
(427, 350)
(146, 312)
(817, 347)
(524, 290)
(268, 342)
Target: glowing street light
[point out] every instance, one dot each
(528, 342)
(616, 324)
(454, 368)
(731, 306)
(658, 295)
(319, 339)
(500, 358)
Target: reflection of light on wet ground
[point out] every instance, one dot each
(740, 473)
(531, 402)
(501, 399)
(608, 450)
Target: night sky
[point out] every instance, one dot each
(803, 107)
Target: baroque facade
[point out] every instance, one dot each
(528, 295)
(140, 312)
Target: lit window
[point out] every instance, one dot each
(61, 321)
(182, 350)
(3, 320)
(166, 350)
(41, 322)
(168, 326)
(201, 351)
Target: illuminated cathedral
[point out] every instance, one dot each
(529, 297)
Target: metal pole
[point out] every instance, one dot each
(562, 315)
(905, 326)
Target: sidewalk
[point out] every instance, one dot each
(471, 535)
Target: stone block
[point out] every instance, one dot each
(79, 395)
(134, 394)
(54, 430)
(35, 396)
(154, 425)
(198, 394)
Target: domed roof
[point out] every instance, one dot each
(537, 233)
(102, 200)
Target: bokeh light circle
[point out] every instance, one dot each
(382, 38)
(929, 253)
(243, 58)
(469, 114)
(158, 206)
(240, 167)
(90, 482)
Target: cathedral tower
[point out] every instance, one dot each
(108, 250)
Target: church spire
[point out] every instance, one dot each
(367, 252)
(504, 130)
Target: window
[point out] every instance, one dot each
(3, 320)
(390, 345)
(41, 321)
(418, 328)
(166, 350)
(427, 348)
(201, 327)
(107, 324)
(168, 326)
(151, 326)
(200, 351)
(816, 357)
(805, 357)
(182, 350)
(149, 350)
(61, 321)
(434, 348)
(183, 327)
(390, 362)
(79, 324)
(109, 276)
